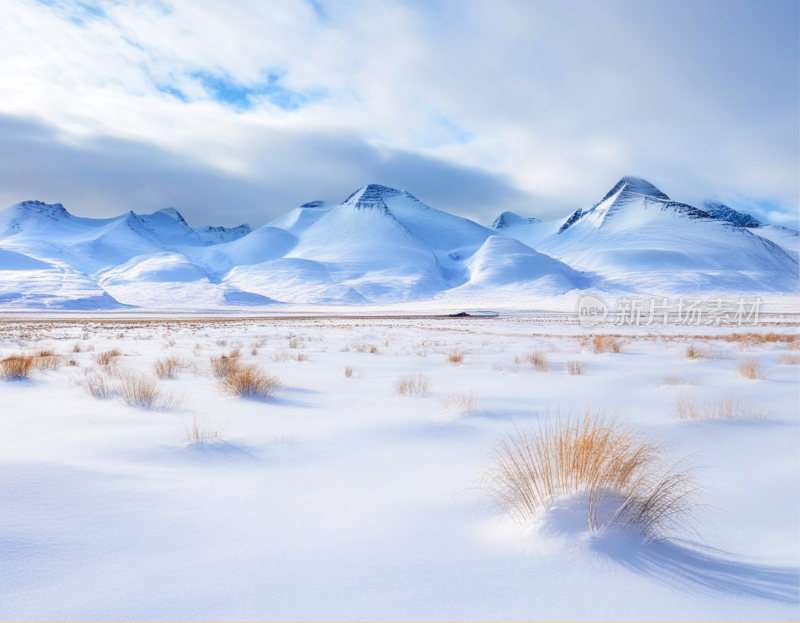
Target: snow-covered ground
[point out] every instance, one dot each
(339, 499)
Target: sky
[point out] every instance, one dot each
(239, 111)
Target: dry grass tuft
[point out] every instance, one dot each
(537, 359)
(727, 408)
(751, 370)
(250, 382)
(789, 359)
(464, 402)
(168, 367)
(48, 362)
(692, 352)
(94, 384)
(606, 344)
(575, 368)
(16, 367)
(138, 390)
(199, 431)
(349, 371)
(107, 357)
(44, 351)
(223, 366)
(455, 357)
(412, 385)
(293, 342)
(794, 344)
(622, 477)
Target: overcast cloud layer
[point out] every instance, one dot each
(236, 112)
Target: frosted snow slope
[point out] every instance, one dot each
(384, 246)
(637, 238)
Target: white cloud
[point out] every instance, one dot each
(559, 98)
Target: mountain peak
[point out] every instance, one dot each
(372, 195)
(50, 210)
(631, 184)
(317, 203)
(510, 219)
(172, 212)
(722, 212)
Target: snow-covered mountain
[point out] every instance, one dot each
(382, 245)
(637, 238)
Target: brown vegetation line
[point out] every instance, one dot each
(26, 328)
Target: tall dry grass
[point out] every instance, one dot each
(16, 367)
(199, 431)
(789, 359)
(463, 402)
(621, 477)
(575, 368)
(412, 385)
(225, 365)
(537, 359)
(751, 370)
(94, 384)
(168, 367)
(728, 407)
(456, 357)
(107, 357)
(250, 382)
(606, 344)
(138, 390)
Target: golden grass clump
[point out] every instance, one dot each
(456, 357)
(575, 368)
(537, 359)
(138, 390)
(94, 384)
(225, 365)
(48, 362)
(16, 367)
(606, 344)
(107, 357)
(751, 370)
(250, 382)
(621, 477)
(44, 351)
(692, 352)
(199, 431)
(168, 367)
(789, 359)
(463, 402)
(794, 344)
(726, 408)
(412, 385)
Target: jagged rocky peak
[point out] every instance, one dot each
(173, 213)
(510, 219)
(372, 196)
(722, 212)
(317, 203)
(217, 233)
(631, 184)
(50, 210)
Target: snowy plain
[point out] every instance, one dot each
(339, 499)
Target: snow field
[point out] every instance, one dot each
(339, 497)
